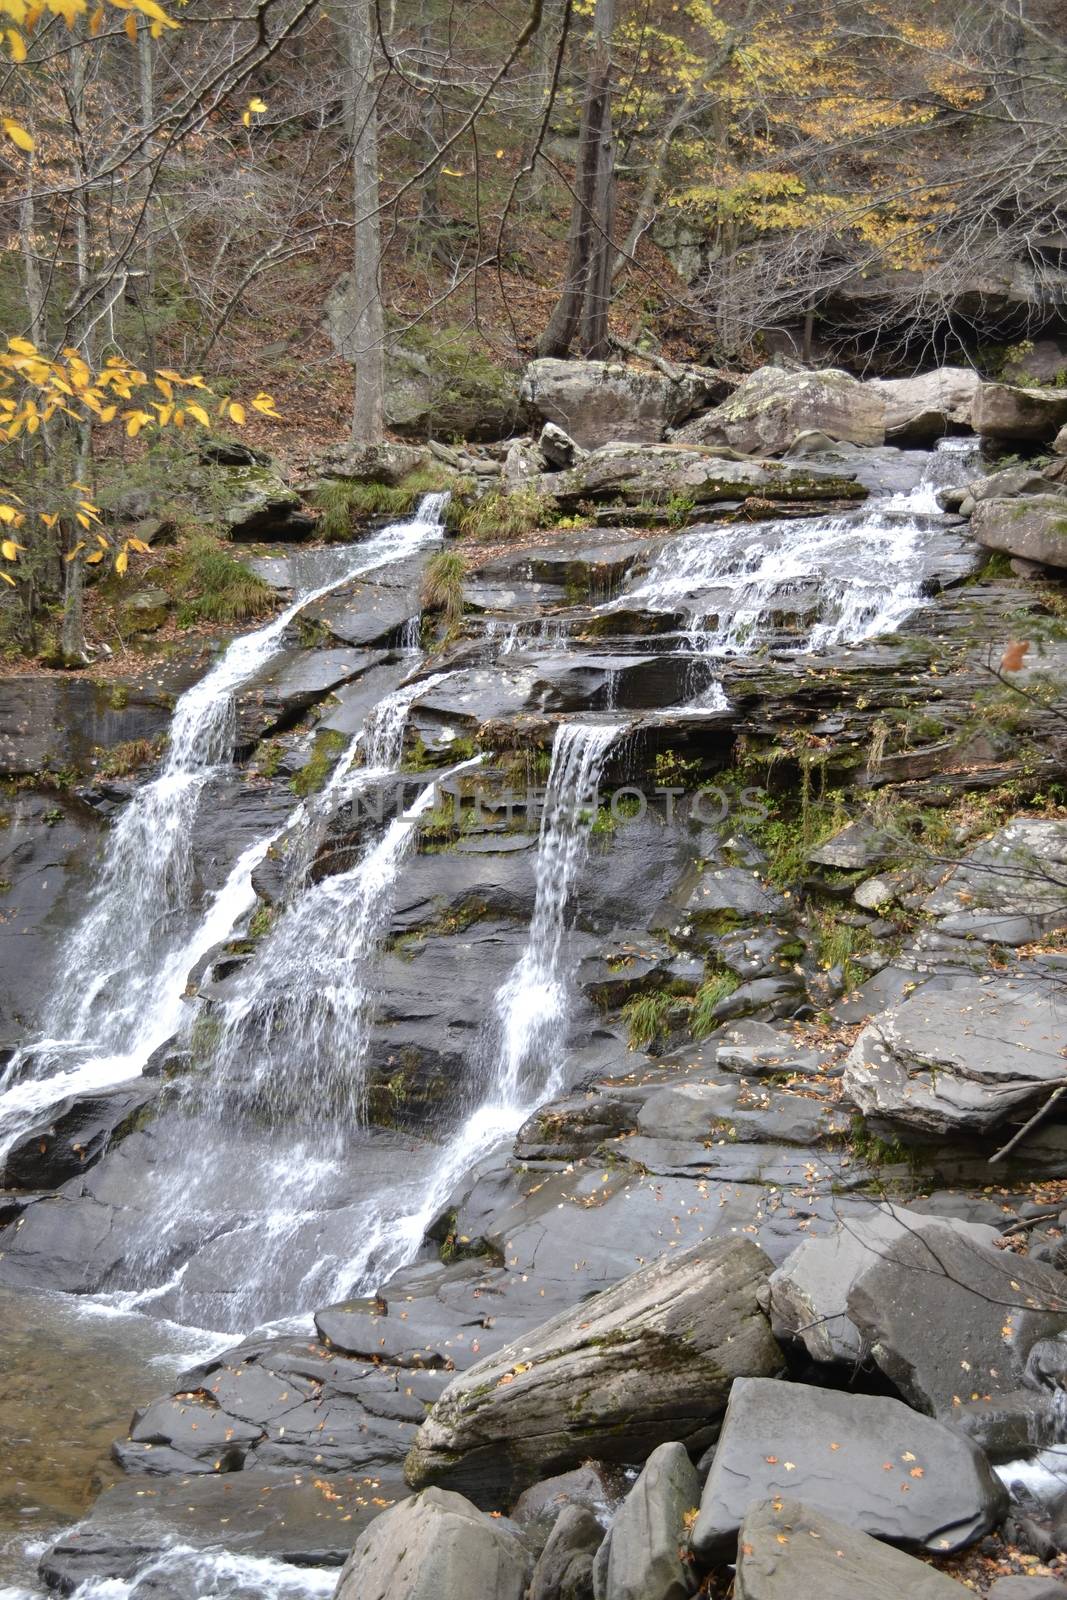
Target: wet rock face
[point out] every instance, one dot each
(435, 1546)
(789, 1549)
(73, 1135)
(57, 724)
(872, 1462)
(1034, 529)
(47, 854)
(766, 412)
(650, 1359)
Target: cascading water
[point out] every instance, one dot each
(810, 584)
(124, 966)
(524, 1044)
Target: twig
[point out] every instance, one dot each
(1016, 1138)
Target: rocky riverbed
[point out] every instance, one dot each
(546, 1045)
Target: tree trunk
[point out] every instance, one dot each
(582, 308)
(366, 334)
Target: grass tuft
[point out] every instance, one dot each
(504, 516)
(215, 587)
(442, 585)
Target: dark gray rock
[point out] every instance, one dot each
(263, 507)
(60, 724)
(961, 1058)
(292, 684)
(810, 1290)
(642, 1557)
(1019, 1588)
(656, 1353)
(74, 1133)
(949, 1319)
(858, 844)
(635, 475)
(790, 1551)
(871, 1461)
(600, 401)
(435, 1546)
(564, 1570)
(755, 1048)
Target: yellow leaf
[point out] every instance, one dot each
(49, 518)
(78, 548)
(7, 513)
(170, 375)
(6, 579)
(11, 550)
(96, 22)
(83, 520)
(265, 403)
(17, 43)
(108, 413)
(236, 413)
(131, 29)
(156, 13)
(199, 413)
(18, 136)
(256, 104)
(138, 545)
(122, 561)
(164, 387)
(93, 560)
(246, 118)
(450, 172)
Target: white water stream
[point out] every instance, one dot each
(125, 965)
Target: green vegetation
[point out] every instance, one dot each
(718, 987)
(646, 1017)
(442, 586)
(313, 775)
(213, 586)
(344, 504)
(503, 516)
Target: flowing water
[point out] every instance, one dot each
(124, 966)
(804, 584)
(267, 1194)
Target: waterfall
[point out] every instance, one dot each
(293, 1035)
(123, 968)
(814, 583)
(525, 1040)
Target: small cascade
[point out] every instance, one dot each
(131, 947)
(292, 1037)
(810, 584)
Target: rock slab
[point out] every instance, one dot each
(435, 1546)
(879, 1466)
(647, 1361)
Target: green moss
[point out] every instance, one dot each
(313, 775)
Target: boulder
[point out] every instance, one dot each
(950, 1319)
(597, 402)
(646, 1361)
(1059, 443)
(261, 506)
(790, 1551)
(72, 1135)
(810, 1290)
(1019, 1588)
(642, 1556)
(1010, 889)
(564, 1570)
(145, 610)
(920, 410)
(1008, 484)
(771, 407)
(558, 448)
(592, 1487)
(872, 1461)
(435, 1546)
(1026, 416)
(958, 1059)
(625, 475)
(1034, 529)
(858, 844)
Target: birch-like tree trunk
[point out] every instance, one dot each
(366, 329)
